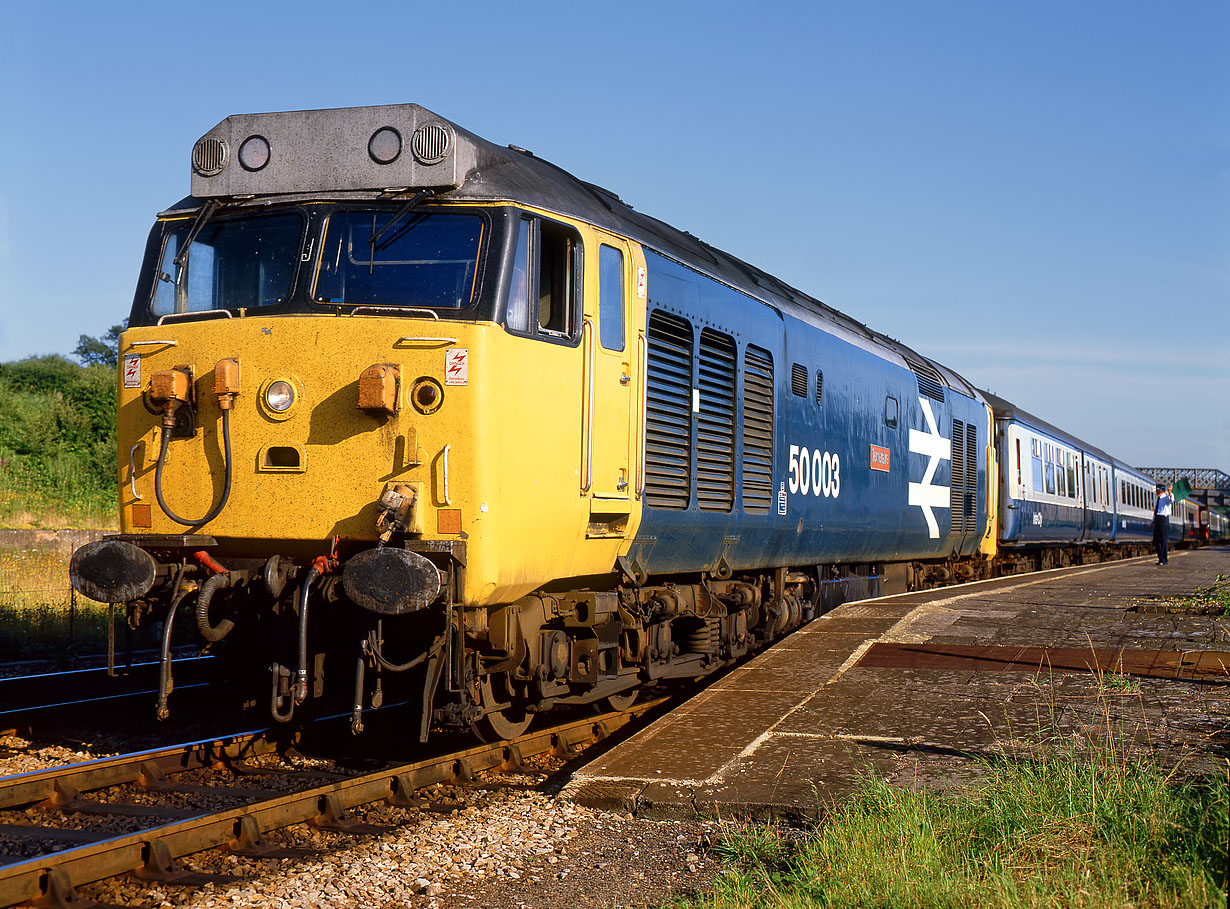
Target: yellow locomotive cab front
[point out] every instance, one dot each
(382, 424)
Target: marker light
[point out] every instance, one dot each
(279, 396)
(385, 145)
(254, 153)
(427, 395)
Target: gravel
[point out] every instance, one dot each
(18, 755)
(497, 847)
(501, 842)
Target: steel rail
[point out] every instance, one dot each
(148, 853)
(40, 785)
(43, 691)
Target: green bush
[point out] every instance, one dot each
(57, 443)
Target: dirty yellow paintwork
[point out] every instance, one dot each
(989, 544)
(515, 438)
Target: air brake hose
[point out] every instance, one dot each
(165, 683)
(210, 632)
(226, 489)
(301, 675)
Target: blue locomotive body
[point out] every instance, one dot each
(846, 449)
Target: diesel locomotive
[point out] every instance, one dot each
(407, 414)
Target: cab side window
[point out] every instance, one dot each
(558, 265)
(544, 296)
(517, 315)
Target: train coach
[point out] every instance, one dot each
(1062, 500)
(405, 415)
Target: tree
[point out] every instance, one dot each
(104, 350)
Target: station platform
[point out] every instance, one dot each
(917, 687)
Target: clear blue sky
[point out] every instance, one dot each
(1036, 194)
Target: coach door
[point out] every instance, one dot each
(610, 347)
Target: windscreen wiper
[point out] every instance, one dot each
(204, 215)
(181, 260)
(397, 216)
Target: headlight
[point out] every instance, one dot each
(279, 396)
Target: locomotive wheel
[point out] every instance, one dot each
(498, 725)
(621, 701)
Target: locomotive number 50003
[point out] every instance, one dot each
(817, 472)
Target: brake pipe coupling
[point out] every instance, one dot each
(171, 390)
(226, 382)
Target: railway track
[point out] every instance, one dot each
(23, 696)
(77, 843)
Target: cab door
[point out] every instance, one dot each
(608, 459)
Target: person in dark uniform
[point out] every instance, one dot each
(1161, 524)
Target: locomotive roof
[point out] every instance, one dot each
(344, 149)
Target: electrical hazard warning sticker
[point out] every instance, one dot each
(132, 371)
(456, 366)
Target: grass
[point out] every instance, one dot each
(40, 615)
(46, 631)
(1211, 600)
(1063, 831)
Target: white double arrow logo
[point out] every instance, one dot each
(935, 447)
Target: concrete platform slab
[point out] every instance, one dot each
(963, 673)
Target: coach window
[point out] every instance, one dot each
(611, 297)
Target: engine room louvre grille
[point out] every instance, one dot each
(971, 477)
(715, 429)
(929, 381)
(668, 410)
(956, 491)
(757, 429)
(819, 386)
(798, 380)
